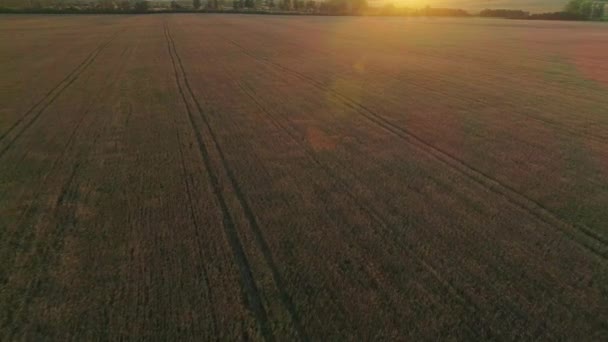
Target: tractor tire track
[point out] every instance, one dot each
(30, 211)
(456, 293)
(559, 127)
(258, 234)
(65, 218)
(590, 240)
(40, 107)
(63, 212)
(368, 208)
(564, 129)
(197, 224)
(253, 298)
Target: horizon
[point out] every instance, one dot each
(469, 5)
(478, 5)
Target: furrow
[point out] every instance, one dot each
(556, 125)
(48, 249)
(51, 96)
(23, 235)
(364, 206)
(254, 300)
(457, 294)
(20, 234)
(597, 244)
(197, 225)
(251, 218)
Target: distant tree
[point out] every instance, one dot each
(214, 4)
(345, 6)
(105, 5)
(270, 4)
(249, 3)
(35, 4)
(585, 8)
(445, 12)
(311, 6)
(141, 6)
(504, 13)
(175, 5)
(124, 5)
(59, 4)
(557, 16)
(196, 4)
(580, 7)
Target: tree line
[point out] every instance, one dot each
(75, 6)
(574, 10)
(320, 7)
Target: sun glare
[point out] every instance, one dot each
(407, 3)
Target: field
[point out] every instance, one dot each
(202, 177)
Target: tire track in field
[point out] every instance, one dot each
(40, 187)
(252, 220)
(197, 224)
(63, 211)
(365, 206)
(456, 293)
(254, 300)
(65, 216)
(569, 131)
(50, 97)
(395, 77)
(594, 241)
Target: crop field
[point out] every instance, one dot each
(203, 177)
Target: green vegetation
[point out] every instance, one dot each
(574, 10)
(329, 7)
(504, 13)
(587, 8)
(75, 6)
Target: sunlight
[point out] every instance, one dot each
(407, 3)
